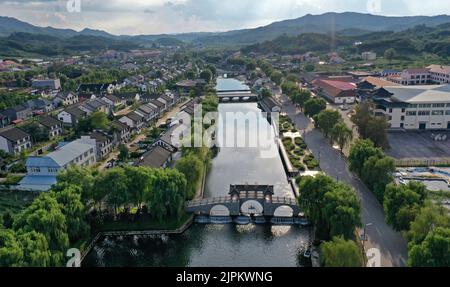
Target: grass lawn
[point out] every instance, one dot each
(15, 201)
(144, 223)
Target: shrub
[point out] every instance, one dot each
(299, 141)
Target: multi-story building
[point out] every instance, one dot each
(71, 116)
(134, 120)
(42, 171)
(104, 144)
(52, 125)
(54, 84)
(414, 108)
(337, 92)
(14, 141)
(122, 133)
(411, 77)
(66, 99)
(439, 74)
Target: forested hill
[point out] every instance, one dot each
(26, 44)
(414, 41)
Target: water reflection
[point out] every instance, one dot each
(218, 245)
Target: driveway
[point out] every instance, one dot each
(391, 244)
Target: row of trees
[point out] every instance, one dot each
(335, 211)
(196, 161)
(373, 167)
(41, 234)
(332, 125)
(425, 224)
(370, 126)
(298, 96)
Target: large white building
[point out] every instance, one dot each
(425, 107)
(42, 171)
(440, 74)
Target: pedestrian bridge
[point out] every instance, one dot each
(253, 200)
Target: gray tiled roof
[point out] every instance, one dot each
(14, 134)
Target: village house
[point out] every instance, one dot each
(52, 125)
(134, 120)
(71, 116)
(113, 101)
(337, 92)
(42, 171)
(18, 113)
(14, 141)
(148, 112)
(122, 133)
(95, 105)
(65, 99)
(103, 143)
(40, 106)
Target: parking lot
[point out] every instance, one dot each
(411, 145)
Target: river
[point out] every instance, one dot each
(220, 245)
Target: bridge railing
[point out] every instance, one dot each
(208, 201)
(227, 199)
(284, 200)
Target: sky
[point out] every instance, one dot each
(134, 17)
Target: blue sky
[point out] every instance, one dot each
(177, 16)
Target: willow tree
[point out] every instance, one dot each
(168, 194)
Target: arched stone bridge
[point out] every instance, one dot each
(246, 200)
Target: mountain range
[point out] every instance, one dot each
(348, 23)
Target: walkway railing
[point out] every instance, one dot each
(227, 199)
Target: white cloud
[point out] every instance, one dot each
(175, 16)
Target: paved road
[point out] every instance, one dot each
(380, 235)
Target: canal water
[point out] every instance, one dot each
(220, 245)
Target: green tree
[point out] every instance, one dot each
(77, 176)
(124, 153)
(433, 251)
(342, 211)
(265, 93)
(206, 75)
(390, 54)
(44, 216)
(139, 180)
(99, 121)
(360, 152)
(11, 253)
(377, 173)
(112, 183)
(192, 168)
(309, 68)
(35, 249)
(370, 126)
(326, 120)
(341, 253)
(429, 217)
(314, 106)
(74, 211)
(300, 97)
(402, 203)
(341, 135)
(332, 207)
(277, 77)
(168, 194)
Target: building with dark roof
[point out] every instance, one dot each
(157, 157)
(52, 125)
(14, 141)
(72, 115)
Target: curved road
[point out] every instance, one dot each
(391, 244)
